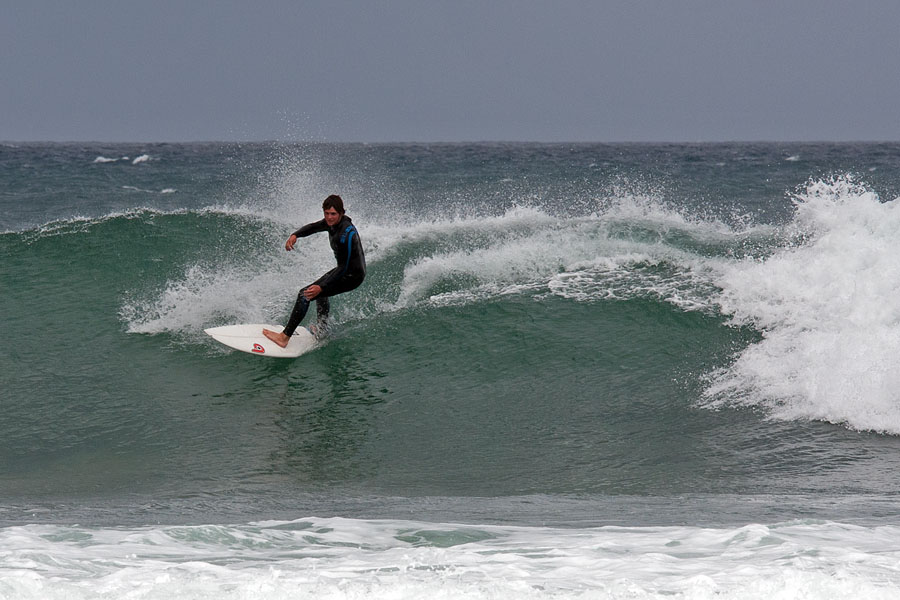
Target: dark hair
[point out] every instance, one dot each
(334, 201)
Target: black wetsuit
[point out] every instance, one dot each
(347, 275)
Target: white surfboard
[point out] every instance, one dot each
(250, 338)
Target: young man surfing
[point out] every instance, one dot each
(347, 275)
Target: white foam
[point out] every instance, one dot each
(132, 188)
(214, 295)
(347, 558)
(828, 312)
(580, 258)
(495, 254)
(141, 159)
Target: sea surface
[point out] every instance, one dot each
(573, 371)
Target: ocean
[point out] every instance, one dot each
(573, 371)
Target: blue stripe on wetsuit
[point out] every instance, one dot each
(351, 230)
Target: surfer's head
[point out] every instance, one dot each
(334, 201)
(333, 207)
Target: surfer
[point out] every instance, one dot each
(347, 275)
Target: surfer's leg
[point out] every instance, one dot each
(322, 309)
(300, 308)
(342, 286)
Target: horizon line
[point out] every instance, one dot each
(458, 142)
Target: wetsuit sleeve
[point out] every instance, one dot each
(311, 228)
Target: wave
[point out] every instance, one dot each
(819, 289)
(825, 304)
(351, 558)
(80, 224)
(137, 189)
(136, 161)
(83, 223)
(459, 261)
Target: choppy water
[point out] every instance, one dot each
(573, 370)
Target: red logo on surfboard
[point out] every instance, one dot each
(258, 348)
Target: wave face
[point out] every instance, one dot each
(694, 337)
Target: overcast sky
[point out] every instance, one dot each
(442, 70)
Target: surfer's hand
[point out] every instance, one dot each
(289, 244)
(311, 292)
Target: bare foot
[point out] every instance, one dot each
(279, 338)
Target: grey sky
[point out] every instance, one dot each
(421, 70)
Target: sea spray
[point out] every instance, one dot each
(826, 305)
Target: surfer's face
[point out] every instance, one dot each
(332, 217)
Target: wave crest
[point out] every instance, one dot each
(825, 305)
